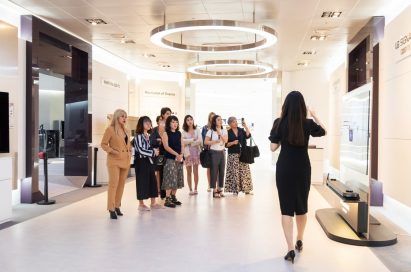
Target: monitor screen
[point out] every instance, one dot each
(4, 123)
(355, 136)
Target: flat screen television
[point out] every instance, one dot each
(355, 137)
(4, 123)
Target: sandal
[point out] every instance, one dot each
(220, 192)
(157, 206)
(143, 208)
(216, 194)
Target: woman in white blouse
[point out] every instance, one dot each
(216, 138)
(192, 141)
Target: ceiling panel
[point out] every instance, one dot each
(185, 9)
(294, 20)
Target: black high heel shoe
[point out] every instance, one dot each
(113, 215)
(290, 256)
(299, 246)
(118, 212)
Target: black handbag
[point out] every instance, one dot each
(248, 153)
(256, 151)
(205, 155)
(205, 158)
(159, 160)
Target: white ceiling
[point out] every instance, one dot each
(294, 20)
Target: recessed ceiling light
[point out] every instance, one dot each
(331, 14)
(67, 56)
(311, 52)
(318, 37)
(118, 35)
(147, 55)
(166, 65)
(96, 21)
(303, 63)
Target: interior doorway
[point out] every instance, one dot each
(62, 123)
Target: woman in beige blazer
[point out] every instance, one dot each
(116, 142)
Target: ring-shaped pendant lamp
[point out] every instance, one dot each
(267, 35)
(202, 68)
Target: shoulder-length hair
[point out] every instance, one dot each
(140, 124)
(210, 118)
(169, 120)
(185, 126)
(114, 121)
(294, 111)
(214, 122)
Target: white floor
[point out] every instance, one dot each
(231, 234)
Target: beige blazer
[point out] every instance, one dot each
(110, 142)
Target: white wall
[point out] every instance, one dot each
(337, 89)
(251, 99)
(395, 111)
(156, 94)
(15, 82)
(105, 100)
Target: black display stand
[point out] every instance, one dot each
(338, 230)
(93, 183)
(46, 200)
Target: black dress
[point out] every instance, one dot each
(293, 173)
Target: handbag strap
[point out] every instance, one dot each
(252, 141)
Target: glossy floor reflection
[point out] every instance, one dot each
(232, 234)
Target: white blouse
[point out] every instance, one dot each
(213, 135)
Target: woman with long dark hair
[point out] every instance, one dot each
(216, 138)
(192, 141)
(155, 141)
(293, 173)
(146, 184)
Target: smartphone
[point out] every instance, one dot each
(242, 121)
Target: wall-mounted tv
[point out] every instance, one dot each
(4, 123)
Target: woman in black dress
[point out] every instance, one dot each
(293, 173)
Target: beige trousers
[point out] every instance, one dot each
(116, 179)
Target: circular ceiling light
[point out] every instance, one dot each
(248, 68)
(267, 35)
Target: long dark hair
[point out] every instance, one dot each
(140, 124)
(214, 122)
(294, 111)
(164, 111)
(185, 126)
(168, 122)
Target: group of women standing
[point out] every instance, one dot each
(293, 173)
(176, 148)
